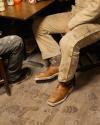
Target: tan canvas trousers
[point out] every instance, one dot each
(70, 43)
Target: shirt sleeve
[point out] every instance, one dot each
(88, 14)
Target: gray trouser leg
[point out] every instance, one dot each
(11, 47)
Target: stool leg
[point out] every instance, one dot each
(4, 76)
(7, 88)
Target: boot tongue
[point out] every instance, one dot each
(55, 61)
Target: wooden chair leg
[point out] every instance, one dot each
(4, 77)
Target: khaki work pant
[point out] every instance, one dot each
(70, 43)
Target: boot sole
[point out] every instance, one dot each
(57, 103)
(46, 78)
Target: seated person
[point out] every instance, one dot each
(11, 48)
(81, 27)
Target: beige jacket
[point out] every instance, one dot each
(84, 12)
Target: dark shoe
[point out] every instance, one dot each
(26, 74)
(50, 73)
(60, 94)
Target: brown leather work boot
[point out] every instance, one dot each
(50, 73)
(60, 93)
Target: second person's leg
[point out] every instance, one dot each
(43, 28)
(70, 44)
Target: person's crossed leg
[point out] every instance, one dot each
(70, 44)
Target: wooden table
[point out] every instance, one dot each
(24, 10)
(20, 20)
